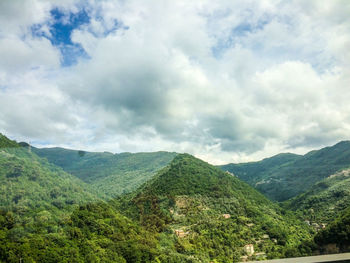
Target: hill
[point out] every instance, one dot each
(205, 214)
(285, 176)
(325, 200)
(93, 232)
(48, 215)
(253, 172)
(33, 190)
(111, 174)
(336, 237)
(7, 143)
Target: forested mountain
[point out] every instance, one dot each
(325, 200)
(336, 237)
(111, 174)
(214, 215)
(286, 175)
(6, 142)
(94, 232)
(30, 186)
(48, 215)
(184, 210)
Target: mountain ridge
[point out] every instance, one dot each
(110, 174)
(286, 179)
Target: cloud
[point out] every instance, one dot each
(225, 81)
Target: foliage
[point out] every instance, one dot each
(325, 200)
(6, 142)
(337, 233)
(110, 174)
(48, 215)
(36, 191)
(284, 176)
(93, 233)
(192, 196)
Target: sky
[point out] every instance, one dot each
(227, 81)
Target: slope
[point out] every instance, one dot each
(111, 174)
(206, 214)
(34, 190)
(325, 200)
(6, 142)
(253, 172)
(48, 215)
(94, 232)
(336, 237)
(286, 179)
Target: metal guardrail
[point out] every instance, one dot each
(344, 257)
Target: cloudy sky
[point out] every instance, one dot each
(225, 80)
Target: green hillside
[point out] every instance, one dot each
(184, 209)
(92, 233)
(283, 178)
(6, 142)
(192, 198)
(111, 174)
(325, 200)
(48, 215)
(253, 172)
(336, 237)
(34, 190)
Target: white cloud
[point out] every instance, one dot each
(227, 81)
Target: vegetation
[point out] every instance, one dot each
(286, 175)
(6, 142)
(192, 197)
(336, 237)
(36, 191)
(110, 174)
(189, 211)
(93, 233)
(325, 200)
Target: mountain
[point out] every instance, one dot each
(284, 176)
(253, 172)
(7, 143)
(325, 200)
(204, 214)
(111, 174)
(48, 215)
(336, 237)
(93, 232)
(34, 190)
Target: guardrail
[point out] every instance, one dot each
(337, 258)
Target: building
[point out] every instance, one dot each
(249, 249)
(226, 216)
(181, 233)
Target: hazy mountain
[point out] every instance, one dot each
(111, 174)
(286, 175)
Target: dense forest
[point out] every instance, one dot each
(177, 208)
(285, 176)
(110, 174)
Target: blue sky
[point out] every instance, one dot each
(61, 25)
(226, 81)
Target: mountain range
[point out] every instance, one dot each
(60, 205)
(286, 175)
(110, 174)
